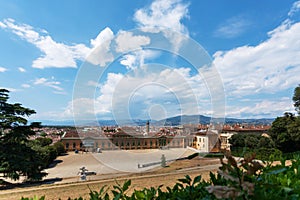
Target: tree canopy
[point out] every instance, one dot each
(296, 99)
(17, 157)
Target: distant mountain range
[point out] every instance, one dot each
(171, 121)
(194, 119)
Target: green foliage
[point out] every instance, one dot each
(296, 99)
(266, 154)
(285, 132)
(279, 182)
(44, 141)
(17, 158)
(247, 144)
(46, 153)
(60, 148)
(12, 115)
(251, 141)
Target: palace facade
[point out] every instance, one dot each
(74, 141)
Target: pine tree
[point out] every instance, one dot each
(17, 158)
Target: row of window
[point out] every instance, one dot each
(132, 143)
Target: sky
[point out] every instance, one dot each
(76, 59)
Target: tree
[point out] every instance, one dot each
(42, 141)
(285, 132)
(296, 98)
(17, 158)
(60, 148)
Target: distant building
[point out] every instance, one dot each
(206, 141)
(224, 139)
(121, 140)
(199, 137)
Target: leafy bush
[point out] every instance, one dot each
(266, 154)
(60, 148)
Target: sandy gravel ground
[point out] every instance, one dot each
(111, 166)
(111, 162)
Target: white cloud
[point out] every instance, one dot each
(58, 54)
(86, 108)
(163, 14)
(104, 101)
(271, 66)
(2, 69)
(137, 59)
(49, 83)
(25, 86)
(21, 69)
(233, 27)
(295, 8)
(126, 41)
(176, 90)
(137, 92)
(262, 109)
(100, 53)
(166, 16)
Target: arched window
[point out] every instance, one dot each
(67, 145)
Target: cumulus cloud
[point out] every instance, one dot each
(126, 41)
(270, 66)
(123, 95)
(163, 14)
(3, 69)
(87, 108)
(133, 96)
(100, 53)
(54, 54)
(137, 59)
(166, 16)
(57, 54)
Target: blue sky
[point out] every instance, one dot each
(94, 58)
